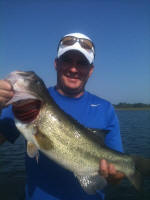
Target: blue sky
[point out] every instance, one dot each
(120, 29)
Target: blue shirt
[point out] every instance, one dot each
(47, 180)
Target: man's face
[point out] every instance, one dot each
(73, 72)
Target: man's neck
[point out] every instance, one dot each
(73, 95)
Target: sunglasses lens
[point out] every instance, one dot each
(68, 40)
(86, 44)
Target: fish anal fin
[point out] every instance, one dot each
(137, 180)
(32, 150)
(92, 183)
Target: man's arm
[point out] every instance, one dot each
(113, 141)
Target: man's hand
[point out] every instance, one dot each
(6, 93)
(109, 172)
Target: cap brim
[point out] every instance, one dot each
(88, 54)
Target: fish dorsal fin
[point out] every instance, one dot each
(99, 134)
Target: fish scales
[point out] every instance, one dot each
(61, 138)
(64, 139)
(69, 147)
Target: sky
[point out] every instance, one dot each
(120, 29)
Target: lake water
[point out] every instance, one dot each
(135, 131)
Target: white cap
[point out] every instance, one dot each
(88, 53)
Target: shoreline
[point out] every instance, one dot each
(132, 108)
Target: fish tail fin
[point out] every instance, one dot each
(142, 168)
(142, 165)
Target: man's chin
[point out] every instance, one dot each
(71, 86)
(72, 90)
(72, 83)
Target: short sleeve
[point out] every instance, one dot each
(113, 138)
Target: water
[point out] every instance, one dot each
(135, 131)
(12, 170)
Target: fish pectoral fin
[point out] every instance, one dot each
(32, 150)
(43, 141)
(92, 183)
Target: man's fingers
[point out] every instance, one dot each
(5, 96)
(104, 168)
(114, 176)
(111, 169)
(5, 85)
(119, 175)
(6, 92)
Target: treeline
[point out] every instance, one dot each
(129, 105)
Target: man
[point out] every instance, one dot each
(74, 65)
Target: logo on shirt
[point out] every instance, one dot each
(95, 105)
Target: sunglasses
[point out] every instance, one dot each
(70, 40)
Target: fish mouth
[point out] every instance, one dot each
(26, 110)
